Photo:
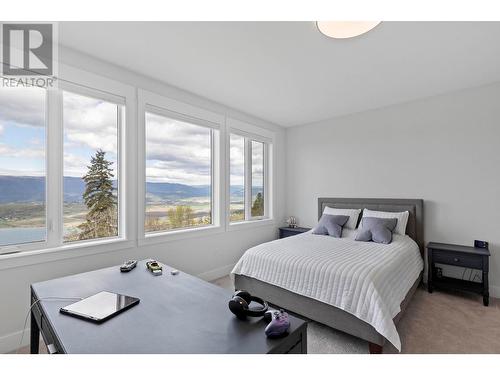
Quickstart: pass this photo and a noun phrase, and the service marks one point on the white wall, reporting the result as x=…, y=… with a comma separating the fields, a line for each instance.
x=208, y=256
x=443, y=149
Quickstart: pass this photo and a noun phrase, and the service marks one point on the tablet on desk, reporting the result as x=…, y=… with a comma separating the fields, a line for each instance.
x=100, y=306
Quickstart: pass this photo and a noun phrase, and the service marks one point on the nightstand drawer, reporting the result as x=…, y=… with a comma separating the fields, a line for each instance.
x=288, y=232
x=457, y=259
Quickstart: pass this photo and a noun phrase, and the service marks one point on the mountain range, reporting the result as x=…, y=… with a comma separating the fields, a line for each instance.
x=18, y=189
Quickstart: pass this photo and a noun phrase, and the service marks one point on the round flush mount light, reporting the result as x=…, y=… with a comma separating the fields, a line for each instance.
x=345, y=29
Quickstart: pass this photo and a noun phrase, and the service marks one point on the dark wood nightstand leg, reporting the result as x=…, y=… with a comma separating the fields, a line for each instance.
x=486, y=300
x=429, y=270
x=486, y=290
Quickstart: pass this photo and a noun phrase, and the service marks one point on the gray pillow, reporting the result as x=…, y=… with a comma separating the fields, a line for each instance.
x=331, y=225
x=377, y=229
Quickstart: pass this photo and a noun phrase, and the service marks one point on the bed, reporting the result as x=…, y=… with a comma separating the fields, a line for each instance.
x=356, y=287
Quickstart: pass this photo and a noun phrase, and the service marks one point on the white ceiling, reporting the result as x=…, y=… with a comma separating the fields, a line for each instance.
x=287, y=72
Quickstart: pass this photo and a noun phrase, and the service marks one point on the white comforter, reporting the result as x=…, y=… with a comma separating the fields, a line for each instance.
x=366, y=279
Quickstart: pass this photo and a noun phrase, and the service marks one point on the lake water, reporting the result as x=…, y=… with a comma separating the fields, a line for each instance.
x=9, y=236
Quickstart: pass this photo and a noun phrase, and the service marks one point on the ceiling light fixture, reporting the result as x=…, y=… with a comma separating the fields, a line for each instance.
x=345, y=29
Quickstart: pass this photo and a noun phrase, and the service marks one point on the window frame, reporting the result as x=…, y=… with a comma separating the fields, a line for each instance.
x=121, y=119
x=91, y=85
x=252, y=133
x=170, y=108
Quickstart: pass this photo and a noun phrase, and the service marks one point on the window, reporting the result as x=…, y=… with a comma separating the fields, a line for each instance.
x=91, y=128
x=22, y=165
x=178, y=173
x=248, y=178
x=61, y=164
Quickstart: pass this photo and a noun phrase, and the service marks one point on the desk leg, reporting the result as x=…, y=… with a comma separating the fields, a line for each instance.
x=35, y=335
x=304, y=341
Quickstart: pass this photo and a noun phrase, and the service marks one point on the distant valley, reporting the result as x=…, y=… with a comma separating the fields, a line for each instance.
x=16, y=189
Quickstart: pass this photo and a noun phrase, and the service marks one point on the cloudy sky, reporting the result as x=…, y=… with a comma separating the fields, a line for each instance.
x=22, y=131
x=257, y=164
x=89, y=124
x=176, y=151
x=237, y=167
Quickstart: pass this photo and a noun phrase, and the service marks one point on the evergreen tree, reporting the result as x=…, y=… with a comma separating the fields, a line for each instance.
x=258, y=205
x=101, y=220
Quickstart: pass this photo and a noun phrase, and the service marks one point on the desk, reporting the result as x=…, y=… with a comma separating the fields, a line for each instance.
x=176, y=314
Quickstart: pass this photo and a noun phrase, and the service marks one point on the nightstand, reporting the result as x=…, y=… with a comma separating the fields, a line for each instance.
x=287, y=231
x=460, y=256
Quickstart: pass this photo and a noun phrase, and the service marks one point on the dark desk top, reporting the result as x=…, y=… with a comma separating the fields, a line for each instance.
x=458, y=248
x=176, y=314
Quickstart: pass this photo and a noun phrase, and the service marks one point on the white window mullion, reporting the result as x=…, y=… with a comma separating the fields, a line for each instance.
x=121, y=173
x=54, y=182
x=141, y=169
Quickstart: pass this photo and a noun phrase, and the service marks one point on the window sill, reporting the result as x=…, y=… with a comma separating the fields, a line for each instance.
x=30, y=257
x=242, y=225
x=161, y=237
x=76, y=250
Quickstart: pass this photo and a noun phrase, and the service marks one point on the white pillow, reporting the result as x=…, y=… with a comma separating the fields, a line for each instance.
x=401, y=216
x=353, y=214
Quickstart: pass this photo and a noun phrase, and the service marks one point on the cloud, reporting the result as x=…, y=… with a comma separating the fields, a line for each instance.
x=157, y=173
x=177, y=151
x=75, y=165
x=25, y=153
x=237, y=159
x=257, y=163
x=90, y=122
x=23, y=106
x=19, y=172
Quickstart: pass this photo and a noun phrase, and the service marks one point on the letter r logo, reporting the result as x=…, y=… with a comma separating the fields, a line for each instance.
x=27, y=49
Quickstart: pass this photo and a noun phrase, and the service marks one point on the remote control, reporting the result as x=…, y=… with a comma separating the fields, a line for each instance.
x=279, y=323
x=129, y=265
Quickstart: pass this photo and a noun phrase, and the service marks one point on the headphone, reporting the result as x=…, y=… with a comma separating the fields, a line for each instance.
x=239, y=304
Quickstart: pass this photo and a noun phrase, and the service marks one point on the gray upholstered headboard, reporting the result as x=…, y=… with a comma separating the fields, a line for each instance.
x=415, y=227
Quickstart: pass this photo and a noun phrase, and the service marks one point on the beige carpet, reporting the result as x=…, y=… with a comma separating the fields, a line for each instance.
x=441, y=322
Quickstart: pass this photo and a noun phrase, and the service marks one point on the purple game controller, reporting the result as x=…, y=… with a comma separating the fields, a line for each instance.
x=279, y=323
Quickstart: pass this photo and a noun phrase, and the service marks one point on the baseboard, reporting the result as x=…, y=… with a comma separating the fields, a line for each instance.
x=10, y=342
x=216, y=273
x=495, y=291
